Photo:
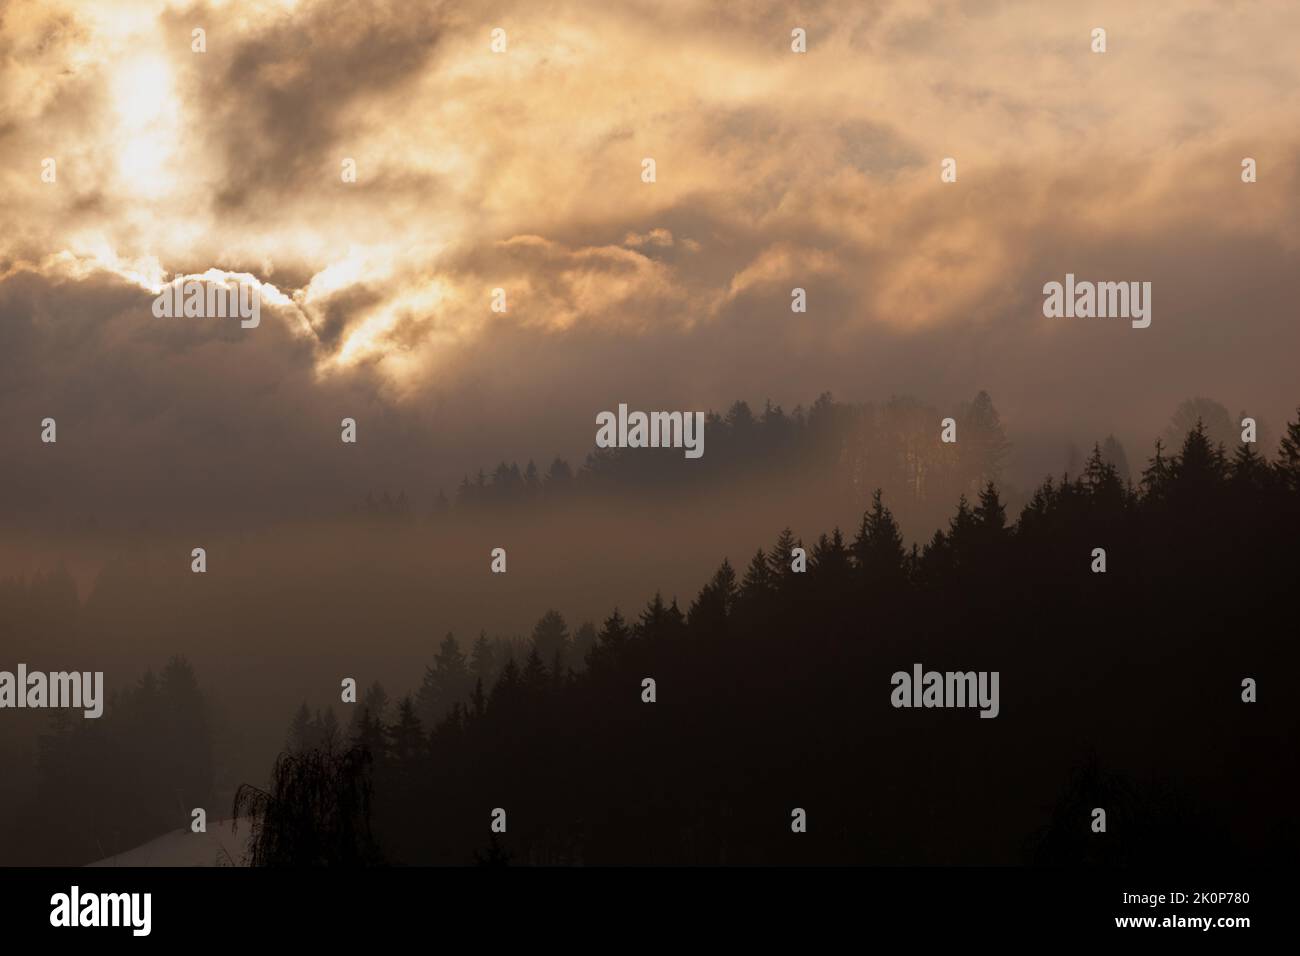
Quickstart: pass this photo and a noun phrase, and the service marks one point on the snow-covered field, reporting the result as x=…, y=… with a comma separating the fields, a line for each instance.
x=220, y=846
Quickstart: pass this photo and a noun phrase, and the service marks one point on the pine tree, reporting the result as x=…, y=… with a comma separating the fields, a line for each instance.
x=962, y=534
x=675, y=620
x=1204, y=414
x=758, y=583
x=1288, y=460
x=655, y=619
x=535, y=673
x=558, y=478
x=611, y=641
x=299, y=731
x=371, y=737
x=1103, y=481
x=1155, y=477
x=1249, y=470
x=709, y=611
x=829, y=561
x=373, y=702
x=482, y=661
x=935, y=564
x=878, y=548
x=445, y=683
x=1199, y=464
x=406, y=735
x=991, y=515
x=984, y=439
x=505, y=691
x=1113, y=453
x=329, y=732
x=779, y=558
x=724, y=582
x=451, y=671
x=584, y=640
x=429, y=703
x=551, y=636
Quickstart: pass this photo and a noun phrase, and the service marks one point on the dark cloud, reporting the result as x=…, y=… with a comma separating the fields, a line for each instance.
x=277, y=98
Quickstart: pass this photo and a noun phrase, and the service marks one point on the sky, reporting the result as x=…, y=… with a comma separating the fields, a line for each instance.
x=522, y=170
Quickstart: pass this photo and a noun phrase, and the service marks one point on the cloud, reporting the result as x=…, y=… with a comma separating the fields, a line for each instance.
x=522, y=170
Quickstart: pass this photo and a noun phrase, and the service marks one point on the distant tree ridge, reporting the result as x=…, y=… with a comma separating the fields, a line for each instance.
x=772, y=693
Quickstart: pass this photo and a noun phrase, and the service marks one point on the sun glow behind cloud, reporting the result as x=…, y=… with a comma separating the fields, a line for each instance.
x=148, y=126
x=521, y=170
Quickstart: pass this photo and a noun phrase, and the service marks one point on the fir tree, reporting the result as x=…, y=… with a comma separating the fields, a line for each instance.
x=482, y=661
x=551, y=636
x=1249, y=470
x=300, y=731
x=535, y=673
x=1103, y=481
x=611, y=641
x=1155, y=477
x=758, y=583
x=991, y=515
x=406, y=735
x=1288, y=460
x=780, y=558
x=584, y=640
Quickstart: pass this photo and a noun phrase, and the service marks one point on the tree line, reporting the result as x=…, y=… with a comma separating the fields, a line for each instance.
x=844, y=449
x=1122, y=689
x=104, y=786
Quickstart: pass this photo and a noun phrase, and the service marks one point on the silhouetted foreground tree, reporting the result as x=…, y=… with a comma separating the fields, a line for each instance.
x=1147, y=821
x=317, y=812
x=774, y=693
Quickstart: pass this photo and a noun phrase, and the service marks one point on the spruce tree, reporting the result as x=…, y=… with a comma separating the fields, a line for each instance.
x=1249, y=470
x=611, y=641
x=878, y=548
x=451, y=671
x=299, y=730
x=1113, y=454
x=654, y=622
x=1156, y=475
x=406, y=735
x=779, y=558
x=373, y=702
x=1103, y=481
x=482, y=661
x=551, y=636
x=479, y=700
x=1288, y=459
x=759, y=582
x=724, y=582
x=991, y=515
x=535, y=673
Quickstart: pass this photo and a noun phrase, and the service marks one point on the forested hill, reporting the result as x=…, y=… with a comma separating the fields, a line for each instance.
x=1123, y=685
